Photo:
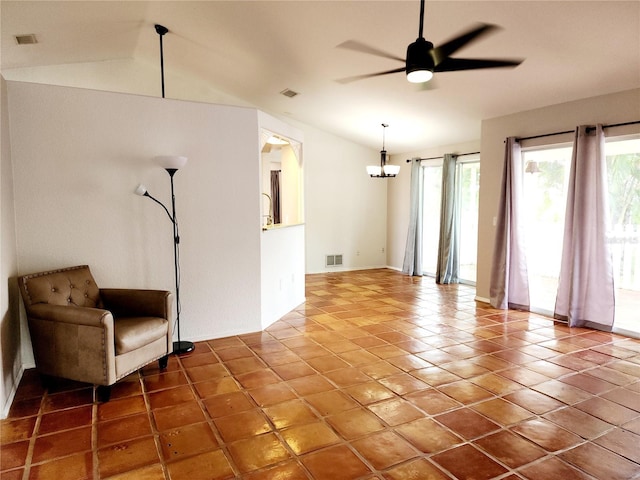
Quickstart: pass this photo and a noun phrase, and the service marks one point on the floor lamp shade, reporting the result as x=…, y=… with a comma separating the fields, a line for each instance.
x=170, y=162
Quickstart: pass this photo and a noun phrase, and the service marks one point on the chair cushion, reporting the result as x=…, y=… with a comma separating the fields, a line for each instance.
x=132, y=333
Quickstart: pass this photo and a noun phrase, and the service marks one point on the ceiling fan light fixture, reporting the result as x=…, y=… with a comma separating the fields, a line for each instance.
x=423, y=60
x=420, y=64
x=419, y=76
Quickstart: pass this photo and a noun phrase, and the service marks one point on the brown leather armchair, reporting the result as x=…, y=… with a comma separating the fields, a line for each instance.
x=94, y=335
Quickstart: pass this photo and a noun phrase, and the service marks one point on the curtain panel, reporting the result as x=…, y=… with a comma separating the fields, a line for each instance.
x=586, y=294
x=275, y=196
x=412, y=264
x=449, y=242
x=509, y=287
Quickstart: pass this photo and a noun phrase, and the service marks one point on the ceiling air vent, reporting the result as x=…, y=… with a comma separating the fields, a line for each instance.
x=29, y=39
x=288, y=93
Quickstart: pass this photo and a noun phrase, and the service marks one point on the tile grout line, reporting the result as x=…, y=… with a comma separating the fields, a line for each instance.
x=208, y=418
x=95, y=467
x=34, y=434
x=153, y=425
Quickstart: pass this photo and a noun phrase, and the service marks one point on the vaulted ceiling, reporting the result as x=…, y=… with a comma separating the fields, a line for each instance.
x=253, y=50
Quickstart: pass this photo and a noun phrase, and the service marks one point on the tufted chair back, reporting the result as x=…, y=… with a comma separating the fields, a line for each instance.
x=73, y=286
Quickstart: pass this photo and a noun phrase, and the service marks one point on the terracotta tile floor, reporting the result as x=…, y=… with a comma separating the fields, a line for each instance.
x=376, y=376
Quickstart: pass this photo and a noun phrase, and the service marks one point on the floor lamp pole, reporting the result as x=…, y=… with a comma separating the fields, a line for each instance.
x=180, y=346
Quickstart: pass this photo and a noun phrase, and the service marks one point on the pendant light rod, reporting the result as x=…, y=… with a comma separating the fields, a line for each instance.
x=161, y=31
x=421, y=19
x=384, y=127
x=383, y=152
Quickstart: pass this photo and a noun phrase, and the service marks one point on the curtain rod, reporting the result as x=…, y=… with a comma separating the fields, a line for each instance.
x=518, y=139
x=442, y=156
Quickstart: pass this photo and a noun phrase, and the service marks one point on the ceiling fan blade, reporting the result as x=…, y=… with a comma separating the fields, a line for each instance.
x=369, y=75
x=455, y=64
x=442, y=52
x=362, y=48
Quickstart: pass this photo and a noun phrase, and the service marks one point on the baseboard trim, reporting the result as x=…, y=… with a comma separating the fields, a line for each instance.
x=12, y=394
x=345, y=269
x=625, y=332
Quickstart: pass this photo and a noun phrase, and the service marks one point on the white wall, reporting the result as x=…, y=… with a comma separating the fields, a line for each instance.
x=282, y=248
x=10, y=332
x=78, y=155
x=399, y=198
x=282, y=260
x=346, y=210
x=607, y=109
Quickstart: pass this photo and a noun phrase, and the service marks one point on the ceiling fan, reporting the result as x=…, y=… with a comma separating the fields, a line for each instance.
x=423, y=59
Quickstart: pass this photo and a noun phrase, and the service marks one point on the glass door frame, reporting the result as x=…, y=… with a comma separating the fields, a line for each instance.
x=424, y=164
x=435, y=163
x=461, y=160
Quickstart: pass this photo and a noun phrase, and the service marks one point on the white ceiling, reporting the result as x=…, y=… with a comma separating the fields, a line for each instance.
x=255, y=49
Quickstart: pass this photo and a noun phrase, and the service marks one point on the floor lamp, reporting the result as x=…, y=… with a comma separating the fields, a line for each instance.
x=172, y=164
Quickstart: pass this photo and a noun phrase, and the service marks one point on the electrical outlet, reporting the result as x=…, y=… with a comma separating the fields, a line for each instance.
x=382, y=249
x=358, y=253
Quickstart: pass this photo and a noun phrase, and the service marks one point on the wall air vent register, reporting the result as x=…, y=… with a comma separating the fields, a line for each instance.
x=333, y=260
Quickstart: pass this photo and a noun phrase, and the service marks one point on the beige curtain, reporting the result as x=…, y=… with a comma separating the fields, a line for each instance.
x=412, y=264
x=449, y=242
x=586, y=295
x=275, y=196
x=509, y=286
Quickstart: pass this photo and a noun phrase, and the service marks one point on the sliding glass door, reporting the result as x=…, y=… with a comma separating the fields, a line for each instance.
x=468, y=182
x=544, y=202
x=432, y=171
x=623, y=173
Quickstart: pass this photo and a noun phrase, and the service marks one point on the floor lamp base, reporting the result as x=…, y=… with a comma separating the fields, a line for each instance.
x=183, y=347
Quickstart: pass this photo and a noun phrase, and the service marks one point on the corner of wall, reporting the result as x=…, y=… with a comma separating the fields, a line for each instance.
x=11, y=359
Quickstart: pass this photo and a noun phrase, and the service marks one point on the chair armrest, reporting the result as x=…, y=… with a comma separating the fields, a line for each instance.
x=136, y=302
x=93, y=317
x=73, y=342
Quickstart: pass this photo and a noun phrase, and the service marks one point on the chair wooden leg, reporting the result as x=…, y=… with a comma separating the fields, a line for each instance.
x=47, y=382
x=103, y=393
x=163, y=362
